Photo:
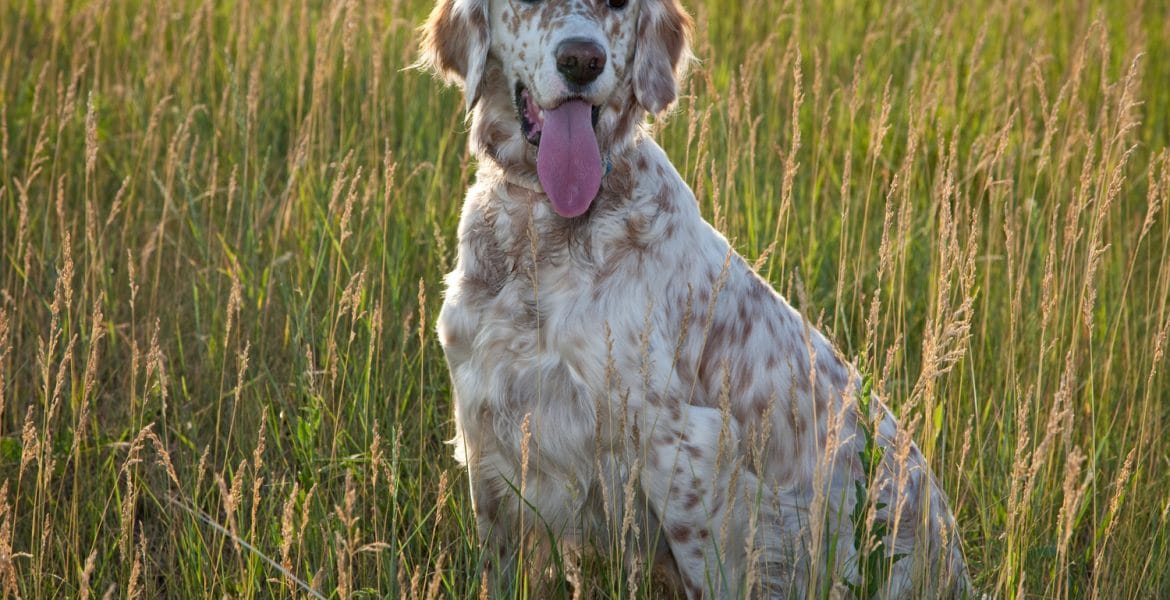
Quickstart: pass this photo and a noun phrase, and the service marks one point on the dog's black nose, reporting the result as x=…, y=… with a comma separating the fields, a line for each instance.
x=580, y=60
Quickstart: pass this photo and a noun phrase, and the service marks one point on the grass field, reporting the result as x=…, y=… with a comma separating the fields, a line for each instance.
x=223, y=227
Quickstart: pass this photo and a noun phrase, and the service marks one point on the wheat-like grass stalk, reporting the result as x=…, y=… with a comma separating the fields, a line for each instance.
x=207, y=520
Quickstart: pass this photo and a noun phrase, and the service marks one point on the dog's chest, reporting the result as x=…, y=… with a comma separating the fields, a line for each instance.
x=524, y=283
x=516, y=301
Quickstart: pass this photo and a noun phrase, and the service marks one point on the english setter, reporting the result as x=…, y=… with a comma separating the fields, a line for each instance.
x=622, y=378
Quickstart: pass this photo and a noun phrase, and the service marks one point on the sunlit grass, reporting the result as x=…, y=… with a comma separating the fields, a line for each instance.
x=223, y=227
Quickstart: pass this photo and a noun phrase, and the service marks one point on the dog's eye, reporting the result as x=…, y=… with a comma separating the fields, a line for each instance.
x=617, y=3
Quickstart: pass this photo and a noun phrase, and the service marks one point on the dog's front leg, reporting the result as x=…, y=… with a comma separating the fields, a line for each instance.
x=528, y=477
x=688, y=481
x=495, y=502
x=477, y=452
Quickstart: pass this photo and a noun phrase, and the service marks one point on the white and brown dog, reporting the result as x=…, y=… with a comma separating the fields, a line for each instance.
x=623, y=379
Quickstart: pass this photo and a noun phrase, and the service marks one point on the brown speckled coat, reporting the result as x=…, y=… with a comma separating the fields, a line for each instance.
x=626, y=371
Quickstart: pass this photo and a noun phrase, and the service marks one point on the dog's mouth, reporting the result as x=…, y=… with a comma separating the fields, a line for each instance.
x=568, y=159
x=532, y=115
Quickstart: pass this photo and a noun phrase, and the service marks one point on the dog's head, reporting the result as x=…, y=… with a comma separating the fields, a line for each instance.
x=559, y=84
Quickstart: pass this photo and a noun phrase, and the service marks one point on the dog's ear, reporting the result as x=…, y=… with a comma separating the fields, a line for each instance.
x=661, y=53
x=455, y=42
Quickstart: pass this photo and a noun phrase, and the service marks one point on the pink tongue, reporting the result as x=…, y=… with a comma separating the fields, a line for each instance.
x=568, y=161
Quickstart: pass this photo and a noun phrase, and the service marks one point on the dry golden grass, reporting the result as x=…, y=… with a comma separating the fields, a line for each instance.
x=224, y=224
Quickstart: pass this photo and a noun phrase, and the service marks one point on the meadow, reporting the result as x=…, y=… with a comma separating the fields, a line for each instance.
x=224, y=225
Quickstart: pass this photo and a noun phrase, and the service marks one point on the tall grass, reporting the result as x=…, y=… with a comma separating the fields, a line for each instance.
x=225, y=224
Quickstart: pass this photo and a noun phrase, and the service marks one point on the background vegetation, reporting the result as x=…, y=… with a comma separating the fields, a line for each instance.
x=224, y=226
